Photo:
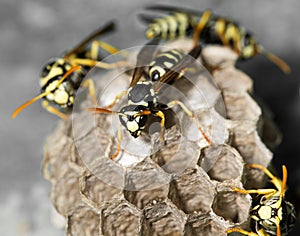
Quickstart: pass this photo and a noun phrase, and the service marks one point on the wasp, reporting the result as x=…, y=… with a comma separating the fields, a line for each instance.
x=61, y=77
x=143, y=94
x=273, y=215
x=209, y=29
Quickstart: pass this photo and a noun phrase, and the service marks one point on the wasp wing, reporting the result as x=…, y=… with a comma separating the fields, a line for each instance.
x=144, y=58
x=172, y=74
x=170, y=9
x=147, y=19
x=106, y=28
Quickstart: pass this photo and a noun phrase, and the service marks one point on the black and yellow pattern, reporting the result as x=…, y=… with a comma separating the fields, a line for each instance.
x=272, y=215
x=142, y=94
x=163, y=62
x=207, y=28
x=61, y=77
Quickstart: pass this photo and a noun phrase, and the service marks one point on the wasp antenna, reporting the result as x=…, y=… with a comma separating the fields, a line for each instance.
x=26, y=104
x=277, y=61
x=74, y=68
x=101, y=110
x=196, y=51
x=284, y=179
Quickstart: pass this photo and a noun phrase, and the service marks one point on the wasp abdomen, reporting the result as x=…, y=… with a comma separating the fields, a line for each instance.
x=163, y=62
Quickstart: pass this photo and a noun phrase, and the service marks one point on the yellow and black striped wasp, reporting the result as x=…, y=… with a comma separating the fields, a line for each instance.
x=61, y=77
x=207, y=28
x=272, y=215
x=143, y=93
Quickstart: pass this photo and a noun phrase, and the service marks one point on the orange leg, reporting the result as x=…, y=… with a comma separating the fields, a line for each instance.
x=190, y=114
x=119, y=144
x=200, y=26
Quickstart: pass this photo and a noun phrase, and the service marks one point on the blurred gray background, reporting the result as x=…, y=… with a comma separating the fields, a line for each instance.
x=32, y=31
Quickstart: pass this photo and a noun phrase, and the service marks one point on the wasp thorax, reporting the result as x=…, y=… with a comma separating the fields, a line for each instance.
x=141, y=94
x=132, y=119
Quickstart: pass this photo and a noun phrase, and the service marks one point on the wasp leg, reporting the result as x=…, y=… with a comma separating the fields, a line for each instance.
x=190, y=114
x=220, y=29
x=119, y=143
x=200, y=25
x=53, y=110
x=117, y=98
x=100, y=64
x=162, y=125
x=94, y=51
x=89, y=83
x=162, y=121
x=277, y=182
x=242, y=232
x=267, y=192
x=231, y=38
x=237, y=41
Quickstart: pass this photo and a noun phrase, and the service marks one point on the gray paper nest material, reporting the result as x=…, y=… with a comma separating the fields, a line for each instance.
x=182, y=188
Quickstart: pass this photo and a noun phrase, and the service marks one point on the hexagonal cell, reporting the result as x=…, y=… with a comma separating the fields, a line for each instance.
x=218, y=56
x=83, y=221
x=231, y=205
x=56, y=151
x=205, y=224
x=248, y=143
x=65, y=194
x=142, y=198
x=222, y=162
x=233, y=79
x=96, y=191
x=177, y=154
x=192, y=191
x=145, y=175
x=240, y=106
x=120, y=218
x=162, y=218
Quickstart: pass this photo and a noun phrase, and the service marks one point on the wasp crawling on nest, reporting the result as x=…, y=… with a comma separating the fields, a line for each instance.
x=207, y=28
x=272, y=215
x=61, y=77
x=146, y=86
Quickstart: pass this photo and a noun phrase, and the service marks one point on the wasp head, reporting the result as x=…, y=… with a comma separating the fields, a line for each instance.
x=131, y=118
x=59, y=92
x=250, y=47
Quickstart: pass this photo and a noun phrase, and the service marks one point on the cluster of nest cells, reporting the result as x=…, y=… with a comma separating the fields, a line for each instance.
x=159, y=195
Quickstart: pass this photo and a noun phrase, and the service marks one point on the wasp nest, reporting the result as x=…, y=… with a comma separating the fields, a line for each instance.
x=183, y=187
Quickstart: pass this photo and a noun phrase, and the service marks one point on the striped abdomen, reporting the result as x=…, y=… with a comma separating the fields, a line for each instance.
x=163, y=62
x=177, y=25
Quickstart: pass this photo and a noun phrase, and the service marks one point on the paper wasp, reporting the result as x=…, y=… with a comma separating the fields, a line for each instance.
x=273, y=215
x=143, y=94
x=61, y=77
x=207, y=28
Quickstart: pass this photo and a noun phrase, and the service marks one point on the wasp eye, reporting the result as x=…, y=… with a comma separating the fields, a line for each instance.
x=247, y=39
x=45, y=71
